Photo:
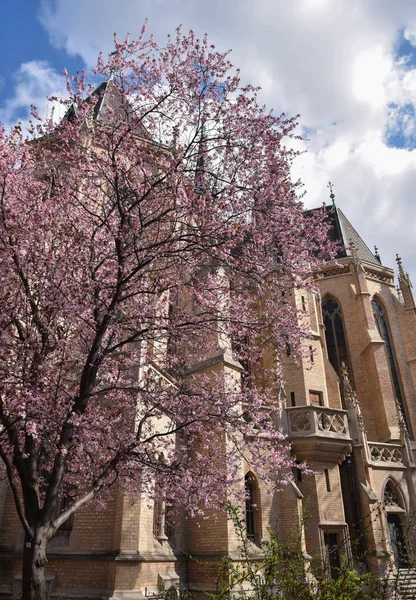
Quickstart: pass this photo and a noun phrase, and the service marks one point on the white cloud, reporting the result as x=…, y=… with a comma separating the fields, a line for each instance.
x=35, y=81
x=371, y=71
x=332, y=61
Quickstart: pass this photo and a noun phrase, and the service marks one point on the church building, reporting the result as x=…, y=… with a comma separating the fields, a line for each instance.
x=349, y=411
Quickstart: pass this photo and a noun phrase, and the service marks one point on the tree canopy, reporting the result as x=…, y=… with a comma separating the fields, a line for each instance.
x=155, y=229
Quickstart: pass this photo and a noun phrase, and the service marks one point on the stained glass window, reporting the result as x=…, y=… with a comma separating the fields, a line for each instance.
x=336, y=342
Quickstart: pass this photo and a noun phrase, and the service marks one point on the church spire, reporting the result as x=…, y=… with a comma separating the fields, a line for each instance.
x=405, y=285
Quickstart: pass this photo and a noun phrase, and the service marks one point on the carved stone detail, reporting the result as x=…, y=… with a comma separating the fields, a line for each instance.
x=300, y=421
x=331, y=422
x=385, y=453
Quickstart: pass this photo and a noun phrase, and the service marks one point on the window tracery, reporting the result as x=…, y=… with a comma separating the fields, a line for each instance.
x=335, y=337
x=391, y=495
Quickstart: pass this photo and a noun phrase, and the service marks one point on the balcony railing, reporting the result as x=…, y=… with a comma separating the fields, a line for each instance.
x=304, y=421
x=385, y=453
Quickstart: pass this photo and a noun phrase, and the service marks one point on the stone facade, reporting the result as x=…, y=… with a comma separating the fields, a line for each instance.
x=350, y=413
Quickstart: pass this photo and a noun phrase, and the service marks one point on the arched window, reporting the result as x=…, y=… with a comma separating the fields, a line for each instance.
x=392, y=496
x=252, y=507
x=336, y=341
x=395, y=513
x=382, y=324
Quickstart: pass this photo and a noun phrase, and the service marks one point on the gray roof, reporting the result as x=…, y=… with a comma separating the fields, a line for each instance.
x=350, y=237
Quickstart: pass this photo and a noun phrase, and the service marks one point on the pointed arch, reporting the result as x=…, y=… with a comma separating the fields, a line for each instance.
x=335, y=336
x=393, y=495
x=382, y=324
x=397, y=522
x=252, y=508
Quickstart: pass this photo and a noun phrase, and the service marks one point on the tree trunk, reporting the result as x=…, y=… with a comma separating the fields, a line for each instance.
x=34, y=561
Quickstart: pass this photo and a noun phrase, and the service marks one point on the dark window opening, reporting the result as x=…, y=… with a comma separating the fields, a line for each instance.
x=332, y=554
x=251, y=506
x=397, y=541
x=288, y=350
x=336, y=342
x=327, y=480
x=303, y=303
x=292, y=399
x=170, y=521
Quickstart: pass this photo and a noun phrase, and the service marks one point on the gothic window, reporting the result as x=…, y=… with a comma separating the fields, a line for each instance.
x=252, y=507
x=394, y=506
x=391, y=495
x=382, y=324
x=336, y=341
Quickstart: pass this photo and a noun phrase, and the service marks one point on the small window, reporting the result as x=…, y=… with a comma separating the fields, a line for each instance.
x=311, y=354
x=303, y=303
x=316, y=398
x=292, y=399
x=170, y=521
x=328, y=482
x=288, y=350
x=252, y=507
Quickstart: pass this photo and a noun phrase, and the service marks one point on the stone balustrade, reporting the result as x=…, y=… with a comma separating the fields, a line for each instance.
x=318, y=432
x=317, y=420
x=385, y=453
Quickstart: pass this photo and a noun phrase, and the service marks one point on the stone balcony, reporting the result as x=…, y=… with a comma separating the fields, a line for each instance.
x=318, y=432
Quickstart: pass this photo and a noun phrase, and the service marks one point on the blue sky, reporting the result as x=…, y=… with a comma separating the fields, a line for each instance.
x=348, y=66
x=24, y=39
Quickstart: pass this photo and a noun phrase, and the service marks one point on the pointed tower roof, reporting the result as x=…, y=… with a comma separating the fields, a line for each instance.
x=342, y=231
x=103, y=95
x=350, y=237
